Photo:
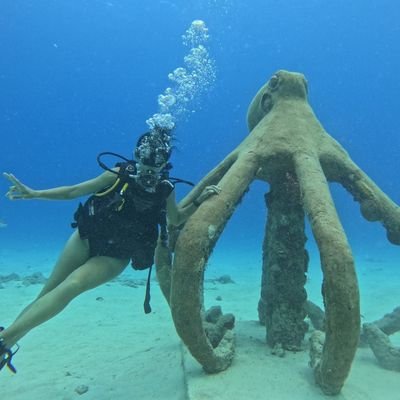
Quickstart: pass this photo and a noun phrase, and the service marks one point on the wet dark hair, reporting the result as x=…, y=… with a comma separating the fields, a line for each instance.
x=153, y=148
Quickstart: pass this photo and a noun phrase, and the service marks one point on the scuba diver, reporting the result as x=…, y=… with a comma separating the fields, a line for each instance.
x=120, y=222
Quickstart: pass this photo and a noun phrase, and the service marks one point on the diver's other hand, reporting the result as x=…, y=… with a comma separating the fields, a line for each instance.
x=18, y=190
x=207, y=192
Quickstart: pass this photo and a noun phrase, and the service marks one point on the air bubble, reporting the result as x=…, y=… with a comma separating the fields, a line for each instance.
x=188, y=82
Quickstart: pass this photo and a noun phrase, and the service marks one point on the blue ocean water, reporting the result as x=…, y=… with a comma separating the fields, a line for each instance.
x=82, y=77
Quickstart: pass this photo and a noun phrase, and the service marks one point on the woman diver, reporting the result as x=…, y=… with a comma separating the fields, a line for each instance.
x=117, y=224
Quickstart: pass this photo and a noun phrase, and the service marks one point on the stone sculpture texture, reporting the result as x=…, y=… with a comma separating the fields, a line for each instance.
x=286, y=145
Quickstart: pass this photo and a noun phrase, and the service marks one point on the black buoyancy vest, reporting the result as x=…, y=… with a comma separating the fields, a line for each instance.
x=130, y=199
x=125, y=203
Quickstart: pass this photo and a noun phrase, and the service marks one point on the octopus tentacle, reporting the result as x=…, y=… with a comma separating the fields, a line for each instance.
x=375, y=204
x=193, y=248
x=340, y=288
x=284, y=135
x=163, y=253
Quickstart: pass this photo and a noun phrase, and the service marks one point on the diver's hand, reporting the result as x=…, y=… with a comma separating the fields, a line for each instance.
x=207, y=192
x=18, y=190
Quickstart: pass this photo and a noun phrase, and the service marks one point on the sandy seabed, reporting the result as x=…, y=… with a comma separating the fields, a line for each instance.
x=103, y=347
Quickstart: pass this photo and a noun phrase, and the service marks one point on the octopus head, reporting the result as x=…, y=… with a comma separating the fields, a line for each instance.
x=282, y=85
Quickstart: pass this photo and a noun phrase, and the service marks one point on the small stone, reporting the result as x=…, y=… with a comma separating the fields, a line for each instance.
x=99, y=298
x=81, y=389
x=278, y=350
x=218, y=298
x=227, y=321
x=213, y=314
x=36, y=278
x=9, y=277
x=225, y=279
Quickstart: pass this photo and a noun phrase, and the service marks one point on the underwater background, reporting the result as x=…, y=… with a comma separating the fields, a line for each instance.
x=81, y=77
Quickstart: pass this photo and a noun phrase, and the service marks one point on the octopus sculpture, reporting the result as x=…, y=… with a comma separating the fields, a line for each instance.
x=288, y=148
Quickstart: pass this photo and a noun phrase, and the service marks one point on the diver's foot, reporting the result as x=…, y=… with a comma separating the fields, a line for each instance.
x=6, y=355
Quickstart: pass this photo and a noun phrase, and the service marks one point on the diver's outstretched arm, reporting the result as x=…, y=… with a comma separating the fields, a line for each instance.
x=19, y=190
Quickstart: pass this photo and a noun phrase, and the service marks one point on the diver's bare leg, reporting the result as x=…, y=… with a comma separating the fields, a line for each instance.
x=94, y=272
x=74, y=254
